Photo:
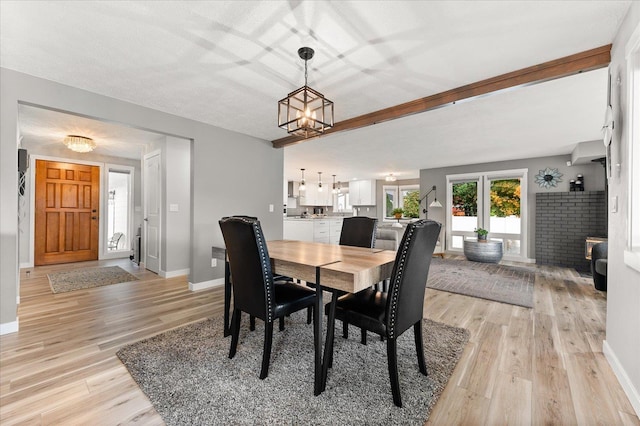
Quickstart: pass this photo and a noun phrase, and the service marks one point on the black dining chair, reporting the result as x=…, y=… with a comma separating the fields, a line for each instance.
x=358, y=231
x=391, y=314
x=254, y=289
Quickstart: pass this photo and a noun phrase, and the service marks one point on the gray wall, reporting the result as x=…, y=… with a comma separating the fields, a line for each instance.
x=593, y=175
x=622, y=345
x=218, y=157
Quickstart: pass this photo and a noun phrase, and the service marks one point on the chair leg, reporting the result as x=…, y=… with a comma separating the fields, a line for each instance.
x=309, y=312
x=266, y=352
x=345, y=329
x=235, y=331
x=392, y=358
x=363, y=336
x=281, y=325
x=417, y=332
x=252, y=322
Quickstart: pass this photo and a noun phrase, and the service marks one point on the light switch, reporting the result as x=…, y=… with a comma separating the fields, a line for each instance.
x=271, y=208
x=613, y=205
x=174, y=208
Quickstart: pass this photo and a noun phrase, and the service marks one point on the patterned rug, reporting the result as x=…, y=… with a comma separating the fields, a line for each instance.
x=501, y=283
x=62, y=282
x=187, y=375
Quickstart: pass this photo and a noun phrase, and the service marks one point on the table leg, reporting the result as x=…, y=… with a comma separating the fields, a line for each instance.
x=317, y=337
x=227, y=297
x=327, y=360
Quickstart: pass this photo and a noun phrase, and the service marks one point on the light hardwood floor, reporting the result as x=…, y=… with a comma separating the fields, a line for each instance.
x=522, y=366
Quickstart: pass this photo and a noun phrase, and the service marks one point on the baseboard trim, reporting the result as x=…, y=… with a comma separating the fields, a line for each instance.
x=628, y=388
x=9, y=327
x=177, y=273
x=24, y=265
x=206, y=284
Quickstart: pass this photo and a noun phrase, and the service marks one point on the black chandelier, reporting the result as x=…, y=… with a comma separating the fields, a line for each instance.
x=305, y=112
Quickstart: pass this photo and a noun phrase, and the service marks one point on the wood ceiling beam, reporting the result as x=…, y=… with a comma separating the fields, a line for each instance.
x=558, y=68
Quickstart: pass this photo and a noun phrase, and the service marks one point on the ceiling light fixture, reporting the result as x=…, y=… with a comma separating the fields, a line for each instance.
x=319, y=181
x=335, y=188
x=79, y=143
x=302, y=186
x=305, y=112
x=390, y=178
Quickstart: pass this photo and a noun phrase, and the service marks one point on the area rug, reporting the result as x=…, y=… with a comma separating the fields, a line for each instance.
x=501, y=283
x=62, y=282
x=187, y=375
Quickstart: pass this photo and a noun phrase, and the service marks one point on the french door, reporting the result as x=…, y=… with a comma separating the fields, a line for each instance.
x=495, y=201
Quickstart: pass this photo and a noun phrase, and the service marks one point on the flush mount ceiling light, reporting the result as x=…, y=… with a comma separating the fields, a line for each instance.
x=305, y=112
x=319, y=181
x=302, y=186
x=79, y=143
x=390, y=178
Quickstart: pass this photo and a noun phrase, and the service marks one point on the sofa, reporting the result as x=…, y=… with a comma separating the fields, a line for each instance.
x=599, y=265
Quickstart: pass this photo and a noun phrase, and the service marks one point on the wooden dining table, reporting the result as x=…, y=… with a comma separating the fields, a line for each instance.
x=332, y=268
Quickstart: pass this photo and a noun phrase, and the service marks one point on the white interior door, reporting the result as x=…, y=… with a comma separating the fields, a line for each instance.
x=152, y=211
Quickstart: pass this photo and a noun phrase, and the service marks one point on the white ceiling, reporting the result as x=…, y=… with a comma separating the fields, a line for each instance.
x=227, y=63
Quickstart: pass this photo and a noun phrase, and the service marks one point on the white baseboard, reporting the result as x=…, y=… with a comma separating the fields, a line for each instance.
x=177, y=273
x=206, y=284
x=26, y=265
x=628, y=387
x=9, y=327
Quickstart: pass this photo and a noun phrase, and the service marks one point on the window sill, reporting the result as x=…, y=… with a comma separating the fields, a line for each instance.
x=632, y=259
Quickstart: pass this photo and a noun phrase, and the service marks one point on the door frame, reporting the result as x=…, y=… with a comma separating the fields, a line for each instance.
x=483, y=178
x=103, y=253
x=32, y=201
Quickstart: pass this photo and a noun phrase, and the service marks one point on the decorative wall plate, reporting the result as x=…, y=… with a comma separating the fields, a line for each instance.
x=548, y=178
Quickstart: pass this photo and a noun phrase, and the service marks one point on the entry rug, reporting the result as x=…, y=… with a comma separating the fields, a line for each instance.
x=187, y=375
x=501, y=283
x=78, y=279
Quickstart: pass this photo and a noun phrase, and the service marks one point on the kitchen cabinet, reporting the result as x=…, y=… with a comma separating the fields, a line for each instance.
x=315, y=230
x=362, y=192
x=311, y=197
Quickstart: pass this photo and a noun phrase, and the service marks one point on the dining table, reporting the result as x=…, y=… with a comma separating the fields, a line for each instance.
x=331, y=268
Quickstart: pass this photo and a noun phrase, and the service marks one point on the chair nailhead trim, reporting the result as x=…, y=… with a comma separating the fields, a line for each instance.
x=398, y=278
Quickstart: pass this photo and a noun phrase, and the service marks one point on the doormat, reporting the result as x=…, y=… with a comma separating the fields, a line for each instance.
x=62, y=282
x=190, y=380
x=491, y=281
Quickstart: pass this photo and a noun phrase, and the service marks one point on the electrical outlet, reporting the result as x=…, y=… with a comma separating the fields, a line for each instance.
x=614, y=204
x=214, y=262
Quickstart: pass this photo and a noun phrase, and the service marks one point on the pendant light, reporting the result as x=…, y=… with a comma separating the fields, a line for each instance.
x=302, y=186
x=305, y=112
x=319, y=181
x=334, y=188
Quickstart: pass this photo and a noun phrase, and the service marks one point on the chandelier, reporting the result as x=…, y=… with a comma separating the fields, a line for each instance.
x=305, y=112
x=79, y=143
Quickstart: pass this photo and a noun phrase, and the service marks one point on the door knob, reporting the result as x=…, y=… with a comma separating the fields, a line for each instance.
x=146, y=219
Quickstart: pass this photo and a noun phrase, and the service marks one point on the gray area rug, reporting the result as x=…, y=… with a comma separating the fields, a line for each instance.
x=187, y=375
x=501, y=283
x=62, y=282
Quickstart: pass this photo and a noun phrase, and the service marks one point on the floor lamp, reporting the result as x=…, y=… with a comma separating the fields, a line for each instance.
x=434, y=203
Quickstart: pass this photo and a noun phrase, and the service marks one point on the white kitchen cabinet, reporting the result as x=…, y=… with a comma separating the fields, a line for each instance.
x=311, y=197
x=316, y=230
x=362, y=192
x=335, y=228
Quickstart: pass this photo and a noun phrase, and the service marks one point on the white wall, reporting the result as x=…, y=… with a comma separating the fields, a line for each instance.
x=622, y=344
x=231, y=173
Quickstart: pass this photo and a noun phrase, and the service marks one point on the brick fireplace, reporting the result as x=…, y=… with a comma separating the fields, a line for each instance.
x=564, y=220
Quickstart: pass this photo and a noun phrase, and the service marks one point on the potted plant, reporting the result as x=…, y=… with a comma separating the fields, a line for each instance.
x=482, y=234
x=397, y=212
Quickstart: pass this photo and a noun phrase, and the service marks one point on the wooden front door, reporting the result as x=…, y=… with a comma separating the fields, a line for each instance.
x=67, y=204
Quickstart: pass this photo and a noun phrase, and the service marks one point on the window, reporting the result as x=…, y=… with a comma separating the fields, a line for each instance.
x=406, y=197
x=632, y=252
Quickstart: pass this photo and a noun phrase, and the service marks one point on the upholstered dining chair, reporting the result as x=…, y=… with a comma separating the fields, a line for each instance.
x=391, y=314
x=254, y=289
x=357, y=231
